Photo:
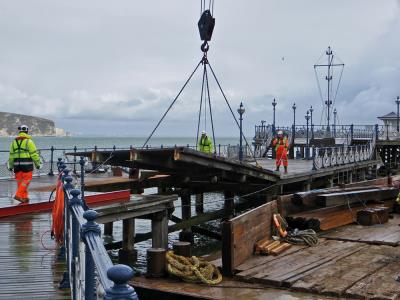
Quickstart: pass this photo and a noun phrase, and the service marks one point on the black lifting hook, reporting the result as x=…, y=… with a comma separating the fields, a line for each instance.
x=204, y=47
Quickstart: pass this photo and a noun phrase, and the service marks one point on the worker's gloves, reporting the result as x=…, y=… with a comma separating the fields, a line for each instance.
x=9, y=167
x=39, y=167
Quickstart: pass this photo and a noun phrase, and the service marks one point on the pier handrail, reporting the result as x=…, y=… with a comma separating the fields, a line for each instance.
x=90, y=271
x=324, y=157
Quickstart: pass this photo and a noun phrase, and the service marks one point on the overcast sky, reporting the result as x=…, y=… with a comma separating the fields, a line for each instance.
x=113, y=67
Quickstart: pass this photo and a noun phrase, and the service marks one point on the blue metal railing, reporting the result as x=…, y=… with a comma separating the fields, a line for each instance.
x=90, y=272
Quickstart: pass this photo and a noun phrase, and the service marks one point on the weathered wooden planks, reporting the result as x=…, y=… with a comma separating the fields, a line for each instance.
x=361, y=196
x=240, y=234
x=330, y=217
x=335, y=279
x=388, y=234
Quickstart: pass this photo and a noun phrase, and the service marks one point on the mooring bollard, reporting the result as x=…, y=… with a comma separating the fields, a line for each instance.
x=156, y=262
x=182, y=248
x=90, y=228
x=120, y=275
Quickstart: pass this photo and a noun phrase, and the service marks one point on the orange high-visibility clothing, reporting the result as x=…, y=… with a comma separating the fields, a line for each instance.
x=23, y=180
x=281, y=147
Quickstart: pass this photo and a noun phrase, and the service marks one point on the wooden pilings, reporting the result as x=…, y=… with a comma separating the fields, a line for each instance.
x=159, y=229
x=128, y=254
x=199, y=203
x=186, y=235
x=108, y=228
x=229, y=205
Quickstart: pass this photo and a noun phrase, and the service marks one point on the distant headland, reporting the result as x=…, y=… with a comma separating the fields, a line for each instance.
x=9, y=123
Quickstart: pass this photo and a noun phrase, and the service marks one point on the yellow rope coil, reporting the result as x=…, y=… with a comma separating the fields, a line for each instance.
x=192, y=269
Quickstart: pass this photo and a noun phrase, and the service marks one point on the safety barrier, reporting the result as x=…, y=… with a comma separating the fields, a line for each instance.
x=90, y=272
x=341, y=155
x=49, y=162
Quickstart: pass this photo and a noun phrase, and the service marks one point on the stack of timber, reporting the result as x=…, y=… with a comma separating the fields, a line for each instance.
x=341, y=208
x=270, y=247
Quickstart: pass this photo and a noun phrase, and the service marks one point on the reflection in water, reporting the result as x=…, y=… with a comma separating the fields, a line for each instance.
x=21, y=242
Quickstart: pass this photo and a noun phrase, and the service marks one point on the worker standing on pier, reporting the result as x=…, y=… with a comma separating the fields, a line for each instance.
x=23, y=157
x=281, y=145
x=205, y=144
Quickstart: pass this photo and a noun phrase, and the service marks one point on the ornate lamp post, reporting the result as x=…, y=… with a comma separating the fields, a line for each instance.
x=273, y=119
x=241, y=111
x=334, y=122
x=398, y=117
x=311, y=122
x=307, y=141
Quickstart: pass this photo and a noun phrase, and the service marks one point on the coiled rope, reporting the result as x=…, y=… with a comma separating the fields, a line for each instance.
x=193, y=269
x=308, y=237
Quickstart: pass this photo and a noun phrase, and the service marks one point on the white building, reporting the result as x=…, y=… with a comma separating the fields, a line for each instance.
x=390, y=125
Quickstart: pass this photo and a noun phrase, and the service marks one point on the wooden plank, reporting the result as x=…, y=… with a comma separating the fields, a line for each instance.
x=387, y=234
x=241, y=233
x=335, y=279
x=290, y=266
x=379, y=285
x=342, y=198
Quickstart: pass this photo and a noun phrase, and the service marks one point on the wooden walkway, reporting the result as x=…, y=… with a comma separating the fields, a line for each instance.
x=28, y=270
x=353, y=261
x=28, y=261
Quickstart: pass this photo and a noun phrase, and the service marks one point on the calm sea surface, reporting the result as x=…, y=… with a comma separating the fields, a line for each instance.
x=213, y=201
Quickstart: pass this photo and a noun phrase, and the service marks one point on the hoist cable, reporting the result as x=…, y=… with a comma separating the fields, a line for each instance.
x=319, y=86
x=209, y=106
x=230, y=108
x=172, y=104
x=338, y=85
x=201, y=103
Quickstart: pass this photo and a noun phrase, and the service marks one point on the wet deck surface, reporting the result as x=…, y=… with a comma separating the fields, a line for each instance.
x=28, y=262
x=29, y=270
x=354, y=261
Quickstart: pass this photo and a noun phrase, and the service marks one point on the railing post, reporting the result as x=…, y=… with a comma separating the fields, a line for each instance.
x=51, y=173
x=351, y=133
x=387, y=131
x=74, y=237
x=82, y=164
x=120, y=275
x=376, y=132
x=90, y=227
x=314, y=168
x=75, y=149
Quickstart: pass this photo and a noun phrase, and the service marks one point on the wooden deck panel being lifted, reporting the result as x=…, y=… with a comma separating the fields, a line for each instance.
x=185, y=162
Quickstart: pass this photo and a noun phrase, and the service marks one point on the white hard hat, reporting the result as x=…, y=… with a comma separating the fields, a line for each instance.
x=24, y=128
x=280, y=132
x=203, y=132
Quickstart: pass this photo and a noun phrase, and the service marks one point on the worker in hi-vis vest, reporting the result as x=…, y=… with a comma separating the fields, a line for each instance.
x=281, y=145
x=23, y=157
x=205, y=144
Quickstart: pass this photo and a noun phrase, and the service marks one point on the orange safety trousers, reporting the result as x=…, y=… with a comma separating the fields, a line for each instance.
x=23, y=180
x=281, y=156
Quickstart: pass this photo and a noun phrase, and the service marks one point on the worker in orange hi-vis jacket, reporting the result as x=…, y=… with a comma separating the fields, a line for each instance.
x=281, y=145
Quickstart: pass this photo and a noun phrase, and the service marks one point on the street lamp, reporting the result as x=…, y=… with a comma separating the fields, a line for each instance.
x=273, y=120
x=241, y=111
x=307, y=141
x=334, y=122
x=398, y=117
x=311, y=122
